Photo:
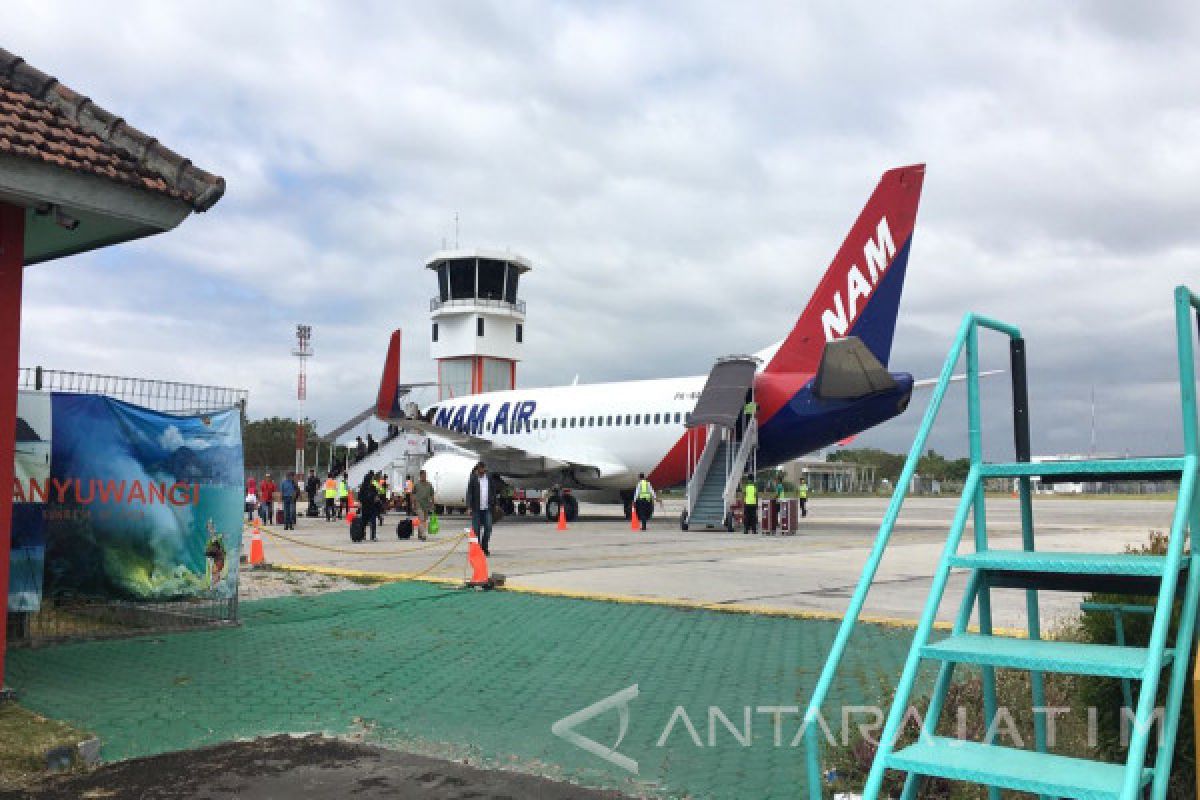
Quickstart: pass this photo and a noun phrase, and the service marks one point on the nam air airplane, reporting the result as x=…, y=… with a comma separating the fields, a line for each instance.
x=594, y=439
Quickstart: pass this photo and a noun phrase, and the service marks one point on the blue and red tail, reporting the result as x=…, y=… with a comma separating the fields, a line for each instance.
x=859, y=294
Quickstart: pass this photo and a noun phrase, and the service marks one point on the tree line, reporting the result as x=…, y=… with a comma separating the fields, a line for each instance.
x=887, y=465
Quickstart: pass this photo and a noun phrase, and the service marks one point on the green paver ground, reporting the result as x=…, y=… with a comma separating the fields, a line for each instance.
x=472, y=674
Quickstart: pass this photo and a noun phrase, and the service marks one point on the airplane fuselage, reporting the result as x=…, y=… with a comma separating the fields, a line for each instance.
x=632, y=427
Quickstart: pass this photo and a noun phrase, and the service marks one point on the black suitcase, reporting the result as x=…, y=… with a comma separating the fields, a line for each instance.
x=312, y=511
x=358, y=530
x=404, y=529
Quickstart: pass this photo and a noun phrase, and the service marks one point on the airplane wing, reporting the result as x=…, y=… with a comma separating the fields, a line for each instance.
x=506, y=459
x=849, y=370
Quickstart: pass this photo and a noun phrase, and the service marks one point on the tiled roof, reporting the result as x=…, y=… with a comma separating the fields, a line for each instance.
x=43, y=120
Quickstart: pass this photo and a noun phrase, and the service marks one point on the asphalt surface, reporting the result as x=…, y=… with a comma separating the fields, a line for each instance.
x=293, y=768
x=814, y=571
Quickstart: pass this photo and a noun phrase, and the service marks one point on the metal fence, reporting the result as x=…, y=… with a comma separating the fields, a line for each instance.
x=66, y=615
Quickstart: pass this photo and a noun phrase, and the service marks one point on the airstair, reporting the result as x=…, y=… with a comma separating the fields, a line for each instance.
x=722, y=443
x=1166, y=577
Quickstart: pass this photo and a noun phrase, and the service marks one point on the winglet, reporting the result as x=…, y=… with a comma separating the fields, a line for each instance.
x=387, y=402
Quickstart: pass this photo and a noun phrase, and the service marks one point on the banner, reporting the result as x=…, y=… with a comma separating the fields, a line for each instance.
x=114, y=500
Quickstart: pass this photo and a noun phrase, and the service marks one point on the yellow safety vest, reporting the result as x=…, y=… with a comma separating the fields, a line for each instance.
x=643, y=490
x=342, y=491
x=751, y=409
x=751, y=494
x=330, y=488
x=803, y=492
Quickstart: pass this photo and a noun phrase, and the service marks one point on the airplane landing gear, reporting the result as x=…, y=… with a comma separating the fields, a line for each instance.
x=569, y=503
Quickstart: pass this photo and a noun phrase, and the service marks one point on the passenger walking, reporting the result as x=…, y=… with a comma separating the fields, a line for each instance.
x=368, y=498
x=644, y=497
x=289, y=492
x=802, y=493
x=331, y=487
x=310, y=488
x=360, y=449
x=750, y=507
x=343, y=496
x=251, y=498
x=266, y=500
x=422, y=496
x=408, y=494
x=481, y=497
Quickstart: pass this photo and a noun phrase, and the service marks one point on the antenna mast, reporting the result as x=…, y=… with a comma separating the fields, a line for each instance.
x=302, y=351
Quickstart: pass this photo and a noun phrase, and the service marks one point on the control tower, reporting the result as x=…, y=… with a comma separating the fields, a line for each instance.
x=478, y=326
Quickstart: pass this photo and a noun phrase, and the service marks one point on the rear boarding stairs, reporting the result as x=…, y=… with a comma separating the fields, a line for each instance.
x=1168, y=576
x=722, y=444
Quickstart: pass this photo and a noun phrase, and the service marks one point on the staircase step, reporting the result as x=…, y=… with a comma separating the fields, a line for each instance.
x=1042, y=655
x=1069, y=572
x=1074, y=563
x=1097, y=470
x=1010, y=768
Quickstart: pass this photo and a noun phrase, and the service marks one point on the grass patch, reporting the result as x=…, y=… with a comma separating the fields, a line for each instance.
x=24, y=739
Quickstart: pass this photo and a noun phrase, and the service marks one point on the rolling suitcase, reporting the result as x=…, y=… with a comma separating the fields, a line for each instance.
x=358, y=530
x=404, y=529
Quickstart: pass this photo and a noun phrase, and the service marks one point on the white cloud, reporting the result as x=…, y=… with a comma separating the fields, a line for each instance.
x=680, y=174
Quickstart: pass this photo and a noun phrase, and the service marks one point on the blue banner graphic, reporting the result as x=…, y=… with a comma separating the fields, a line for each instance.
x=114, y=500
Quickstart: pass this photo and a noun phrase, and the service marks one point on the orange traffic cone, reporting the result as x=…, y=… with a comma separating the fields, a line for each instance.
x=562, y=516
x=635, y=524
x=350, y=515
x=256, y=546
x=478, y=562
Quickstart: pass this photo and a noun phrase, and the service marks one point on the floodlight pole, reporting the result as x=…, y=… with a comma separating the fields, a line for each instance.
x=302, y=351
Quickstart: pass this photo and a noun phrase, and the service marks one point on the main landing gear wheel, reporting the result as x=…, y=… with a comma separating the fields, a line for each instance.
x=569, y=503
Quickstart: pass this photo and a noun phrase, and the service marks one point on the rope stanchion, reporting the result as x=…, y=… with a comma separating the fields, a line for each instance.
x=360, y=551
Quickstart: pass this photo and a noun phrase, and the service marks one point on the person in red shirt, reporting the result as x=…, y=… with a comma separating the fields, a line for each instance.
x=266, y=499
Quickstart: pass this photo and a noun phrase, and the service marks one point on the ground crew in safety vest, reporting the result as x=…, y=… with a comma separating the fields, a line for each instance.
x=750, y=507
x=330, y=497
x=802, y=493
x=643, y=499
x=343, y=497
x=382, y=495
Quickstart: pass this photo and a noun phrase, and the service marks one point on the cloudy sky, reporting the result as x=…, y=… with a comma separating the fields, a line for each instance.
x=679, y=173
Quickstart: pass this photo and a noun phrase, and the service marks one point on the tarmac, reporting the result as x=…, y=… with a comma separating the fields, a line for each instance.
x=712, y=699
x=813, y=572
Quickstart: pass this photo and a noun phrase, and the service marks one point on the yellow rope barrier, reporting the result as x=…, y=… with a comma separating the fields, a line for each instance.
x=356, y=552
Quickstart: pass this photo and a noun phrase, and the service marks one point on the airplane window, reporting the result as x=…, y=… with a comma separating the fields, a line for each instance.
x=591, y=422
x=677, y=418
x=637, y=419
x=626, y=419
x=658, y=419
x=572, y=422
x=618, y=419
x=609, y=420
x=554, y=423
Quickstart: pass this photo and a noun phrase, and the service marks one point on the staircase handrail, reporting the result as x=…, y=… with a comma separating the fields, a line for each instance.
x=749, y=442
x=712, y=443
x=966, y=330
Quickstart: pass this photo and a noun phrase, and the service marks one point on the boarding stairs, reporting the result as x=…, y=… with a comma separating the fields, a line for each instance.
x=722, y=444
x=1164, y=577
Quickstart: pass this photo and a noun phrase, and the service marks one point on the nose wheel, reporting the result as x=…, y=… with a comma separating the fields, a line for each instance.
x=566, y=501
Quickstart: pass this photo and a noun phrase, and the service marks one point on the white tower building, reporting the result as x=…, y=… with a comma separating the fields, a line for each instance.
x=478, y=329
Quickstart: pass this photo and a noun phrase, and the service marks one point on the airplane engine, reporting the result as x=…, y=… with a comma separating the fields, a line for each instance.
x=449, y=473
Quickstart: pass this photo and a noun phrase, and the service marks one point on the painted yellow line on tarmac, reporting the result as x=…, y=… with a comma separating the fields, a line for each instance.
x=728, y=608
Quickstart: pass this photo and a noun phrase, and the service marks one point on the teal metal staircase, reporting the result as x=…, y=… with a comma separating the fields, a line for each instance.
x=1166, y=577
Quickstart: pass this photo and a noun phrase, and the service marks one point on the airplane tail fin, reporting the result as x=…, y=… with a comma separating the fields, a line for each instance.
x=387, y=402
x=860, y=293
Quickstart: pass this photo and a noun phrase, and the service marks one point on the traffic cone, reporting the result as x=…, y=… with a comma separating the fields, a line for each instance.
x=477, y=561
x=350, y=515
x=256, y=546
x=635, y=524
x=562, y=516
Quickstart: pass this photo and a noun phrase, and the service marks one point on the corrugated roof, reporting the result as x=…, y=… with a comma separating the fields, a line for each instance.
x=43, y=120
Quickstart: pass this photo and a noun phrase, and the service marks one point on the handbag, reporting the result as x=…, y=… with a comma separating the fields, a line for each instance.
x=434, y=525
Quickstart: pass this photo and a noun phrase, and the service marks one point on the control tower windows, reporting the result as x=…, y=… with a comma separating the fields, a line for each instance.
x=443, y=273
x=510, y=285
x=462, y=278
x=497, y=375
x=491, y=279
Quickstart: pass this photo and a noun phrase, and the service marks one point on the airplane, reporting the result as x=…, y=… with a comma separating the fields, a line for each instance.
x=823, y=384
